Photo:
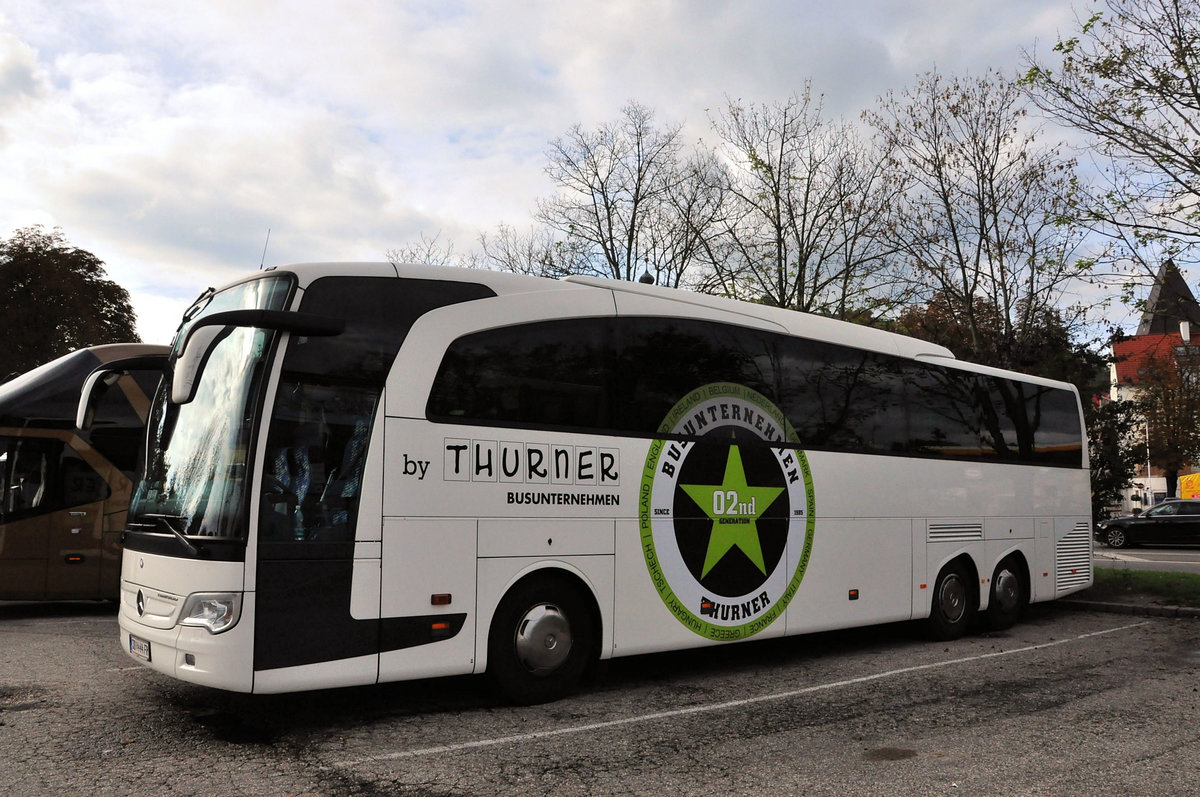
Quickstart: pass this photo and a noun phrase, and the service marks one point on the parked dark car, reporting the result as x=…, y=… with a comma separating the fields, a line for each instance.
x=1173, y=522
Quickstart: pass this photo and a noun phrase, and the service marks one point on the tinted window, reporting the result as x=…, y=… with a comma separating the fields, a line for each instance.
x=1057, y=433
x=842, y=398
x=624, y=375
x=317, y=449
x=944, y=416
x=659, y=361
x=621, y=374
x=328, y=391
x=379, y=312
x=552, y=374
x=39, y=475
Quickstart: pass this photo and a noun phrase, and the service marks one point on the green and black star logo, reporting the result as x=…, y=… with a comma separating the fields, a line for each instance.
x=727, y=530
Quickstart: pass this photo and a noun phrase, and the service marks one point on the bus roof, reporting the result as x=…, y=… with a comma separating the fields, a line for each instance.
x=49, y=394
x=506, y=283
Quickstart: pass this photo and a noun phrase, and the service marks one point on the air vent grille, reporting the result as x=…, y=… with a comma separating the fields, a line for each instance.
x=955, y=532
x=1073, y=559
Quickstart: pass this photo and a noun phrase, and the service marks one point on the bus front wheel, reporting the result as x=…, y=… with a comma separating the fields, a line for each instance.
x=953, y=606
x=541, y=641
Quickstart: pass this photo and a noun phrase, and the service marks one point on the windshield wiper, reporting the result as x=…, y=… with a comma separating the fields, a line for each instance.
x=164, y=520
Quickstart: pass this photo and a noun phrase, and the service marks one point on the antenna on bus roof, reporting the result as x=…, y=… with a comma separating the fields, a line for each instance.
x=264, y=255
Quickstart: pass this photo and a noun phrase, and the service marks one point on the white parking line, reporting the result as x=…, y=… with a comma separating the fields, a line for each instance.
x=729, y=704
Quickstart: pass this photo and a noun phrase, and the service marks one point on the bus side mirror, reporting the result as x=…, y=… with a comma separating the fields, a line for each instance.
x=198, y=346
x=104, y=377
x=204, y=335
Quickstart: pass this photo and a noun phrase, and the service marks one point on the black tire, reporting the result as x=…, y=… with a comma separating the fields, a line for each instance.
x=1009, y=595
x=954, y=603
x=542, y=641
x=1115, y=537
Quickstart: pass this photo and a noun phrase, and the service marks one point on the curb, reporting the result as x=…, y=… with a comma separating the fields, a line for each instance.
x=1141, y=610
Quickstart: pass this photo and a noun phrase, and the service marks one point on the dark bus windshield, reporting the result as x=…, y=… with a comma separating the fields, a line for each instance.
x=195, y=476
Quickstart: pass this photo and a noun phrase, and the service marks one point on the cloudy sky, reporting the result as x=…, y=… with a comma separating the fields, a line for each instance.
x=168, y=138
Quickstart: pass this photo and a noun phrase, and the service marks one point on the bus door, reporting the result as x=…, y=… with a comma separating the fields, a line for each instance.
x=50, y=520
x=320, y=546
x=23, y=522
x=317, y=586
x=76, y=529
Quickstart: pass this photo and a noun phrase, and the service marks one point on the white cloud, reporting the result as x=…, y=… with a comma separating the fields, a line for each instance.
x=167, y=138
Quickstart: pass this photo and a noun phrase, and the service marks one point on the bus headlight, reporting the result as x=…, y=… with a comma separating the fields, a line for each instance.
x=216, y=611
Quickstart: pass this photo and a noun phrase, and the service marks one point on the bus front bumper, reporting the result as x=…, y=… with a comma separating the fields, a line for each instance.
x=222, y=661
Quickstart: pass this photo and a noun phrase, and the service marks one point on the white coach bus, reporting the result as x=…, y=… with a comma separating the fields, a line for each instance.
x=360, y=473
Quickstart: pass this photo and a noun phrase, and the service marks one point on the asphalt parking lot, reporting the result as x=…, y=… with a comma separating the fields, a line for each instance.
x=1067, y=702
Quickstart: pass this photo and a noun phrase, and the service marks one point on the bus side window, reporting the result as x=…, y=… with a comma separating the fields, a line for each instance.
x=39, y=475
x=316, y=450
x=550, y=373
x=27, y=476
x=662, y=360
x=80, y=483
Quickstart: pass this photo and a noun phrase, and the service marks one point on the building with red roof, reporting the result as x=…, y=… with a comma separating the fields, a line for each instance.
x=1132, y=356
x=1171, y=315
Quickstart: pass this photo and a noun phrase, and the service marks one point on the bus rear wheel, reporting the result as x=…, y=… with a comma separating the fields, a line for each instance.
x=953, y=607
x=542, y=640
x=1008, y=597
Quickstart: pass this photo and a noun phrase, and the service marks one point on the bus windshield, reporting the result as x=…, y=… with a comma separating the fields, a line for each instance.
x=195, y=477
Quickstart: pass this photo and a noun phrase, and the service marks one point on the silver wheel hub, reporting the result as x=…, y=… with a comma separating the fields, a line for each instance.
x=543, y=639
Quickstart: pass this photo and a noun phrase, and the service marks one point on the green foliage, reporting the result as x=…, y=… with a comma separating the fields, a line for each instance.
x=1036, y=342
x=1164, y=588
x=1043, y=345
x=54, y=299
x=1128, y=79
x=1170, y=394
x=1116, y=447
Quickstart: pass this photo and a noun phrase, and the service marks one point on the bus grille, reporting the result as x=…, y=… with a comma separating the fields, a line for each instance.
x=1073, y=559
x=955, y=532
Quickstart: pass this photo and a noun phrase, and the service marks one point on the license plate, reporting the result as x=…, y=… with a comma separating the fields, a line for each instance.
x=139, y=647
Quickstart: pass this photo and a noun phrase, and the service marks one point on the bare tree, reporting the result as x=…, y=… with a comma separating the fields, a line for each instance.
x=984, y=215
x=1130, y=80
x=536, y=252
x=680, y=245
x=805, y=211
x=613, y=188
x=429, y=251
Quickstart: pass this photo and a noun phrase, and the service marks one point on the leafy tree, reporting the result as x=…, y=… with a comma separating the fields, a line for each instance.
x=1042, y=346
x=1116, y=448
x=54, y=299
x=1130, y=80
x=1169, y=390
x=983, y=216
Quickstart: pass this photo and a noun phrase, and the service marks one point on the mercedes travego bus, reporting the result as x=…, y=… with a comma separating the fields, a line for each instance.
x=64, y=492
x=360, y=473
